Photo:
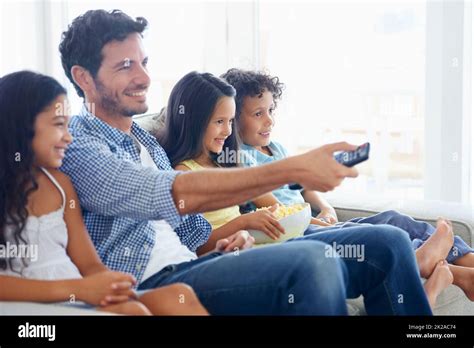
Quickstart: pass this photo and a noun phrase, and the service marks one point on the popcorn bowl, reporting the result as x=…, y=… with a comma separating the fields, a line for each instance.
x=294, y=219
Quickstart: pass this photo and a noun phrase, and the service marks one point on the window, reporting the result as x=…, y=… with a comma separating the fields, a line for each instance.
x=357, y=74
x=387, y=72
x=397, y=74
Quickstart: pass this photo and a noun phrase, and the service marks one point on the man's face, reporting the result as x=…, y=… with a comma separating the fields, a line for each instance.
x=122, y=81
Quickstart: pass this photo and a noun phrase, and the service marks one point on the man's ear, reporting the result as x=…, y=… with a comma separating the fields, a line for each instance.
x=82, y=78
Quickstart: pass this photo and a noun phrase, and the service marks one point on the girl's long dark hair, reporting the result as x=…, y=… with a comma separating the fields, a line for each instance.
x=190, y=107
x=23, y=95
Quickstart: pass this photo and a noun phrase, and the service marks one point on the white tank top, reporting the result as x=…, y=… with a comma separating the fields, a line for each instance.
x=45, y=249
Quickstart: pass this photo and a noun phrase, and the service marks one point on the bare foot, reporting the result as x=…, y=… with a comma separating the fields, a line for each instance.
x=436, y=248
x=464, y=278
x=439, y=280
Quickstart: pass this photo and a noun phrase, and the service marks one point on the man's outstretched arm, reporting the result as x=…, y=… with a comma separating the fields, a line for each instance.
x=207, y=190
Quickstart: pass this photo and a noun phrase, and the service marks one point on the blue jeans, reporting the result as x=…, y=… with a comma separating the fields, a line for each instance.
x=381, y=266
x=289, y=279
x=306, y=276
x=418, y=231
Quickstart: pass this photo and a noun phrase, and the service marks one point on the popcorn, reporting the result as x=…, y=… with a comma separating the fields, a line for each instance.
x=286, y=210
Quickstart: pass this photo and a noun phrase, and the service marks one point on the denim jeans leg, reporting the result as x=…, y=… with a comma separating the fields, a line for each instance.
x=387, y=275
x=282, y=279
x=418, y=231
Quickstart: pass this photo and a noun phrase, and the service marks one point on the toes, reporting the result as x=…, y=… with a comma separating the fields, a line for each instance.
x=443, y=265
x=444, y=222
x=441, y=223
x=444, y=227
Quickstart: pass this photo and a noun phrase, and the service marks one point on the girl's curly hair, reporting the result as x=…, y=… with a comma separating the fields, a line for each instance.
x=23, y=95
x=251, y=84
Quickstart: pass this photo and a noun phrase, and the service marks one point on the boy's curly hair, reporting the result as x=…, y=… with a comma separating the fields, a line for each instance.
x=249, y=83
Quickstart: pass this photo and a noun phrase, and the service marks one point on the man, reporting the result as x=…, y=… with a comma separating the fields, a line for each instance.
x=135, y=205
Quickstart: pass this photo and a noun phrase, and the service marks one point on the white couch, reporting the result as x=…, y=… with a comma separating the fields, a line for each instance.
x=451, y=302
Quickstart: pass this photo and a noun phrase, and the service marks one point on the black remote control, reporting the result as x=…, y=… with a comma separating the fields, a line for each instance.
x=347, y=158
x=351, y=158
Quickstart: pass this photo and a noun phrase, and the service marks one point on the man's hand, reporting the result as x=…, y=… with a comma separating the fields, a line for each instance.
x=240, y=240
x=318, y=170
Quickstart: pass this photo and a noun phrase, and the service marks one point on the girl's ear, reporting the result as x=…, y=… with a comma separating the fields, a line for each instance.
x=82, y=78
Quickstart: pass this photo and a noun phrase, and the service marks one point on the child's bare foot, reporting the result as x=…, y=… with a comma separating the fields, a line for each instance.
x=464, y=278
x=439, y=280
x=436, y=248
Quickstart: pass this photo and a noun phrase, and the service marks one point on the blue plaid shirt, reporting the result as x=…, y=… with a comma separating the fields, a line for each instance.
x=119, y=196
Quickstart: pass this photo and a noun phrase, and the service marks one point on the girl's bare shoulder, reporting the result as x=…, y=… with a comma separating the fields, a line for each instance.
x=63, y=180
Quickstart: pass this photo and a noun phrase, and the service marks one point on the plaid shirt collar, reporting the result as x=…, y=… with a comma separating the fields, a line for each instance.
x=117, y=136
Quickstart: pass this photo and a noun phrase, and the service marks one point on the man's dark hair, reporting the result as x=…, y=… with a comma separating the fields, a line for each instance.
x=249, y=83
x=84, y=39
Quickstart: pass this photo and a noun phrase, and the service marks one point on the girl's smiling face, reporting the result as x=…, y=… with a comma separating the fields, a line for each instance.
x=52, y=137
x=220, y=125
x=256, y=119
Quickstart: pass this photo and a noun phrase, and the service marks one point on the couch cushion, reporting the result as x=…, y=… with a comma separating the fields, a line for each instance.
x=151, y=122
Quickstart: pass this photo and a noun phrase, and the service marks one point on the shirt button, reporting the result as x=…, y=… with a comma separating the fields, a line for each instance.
x=139, y=267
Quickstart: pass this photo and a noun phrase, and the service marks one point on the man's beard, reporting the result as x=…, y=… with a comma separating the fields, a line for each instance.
x=112, y=104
